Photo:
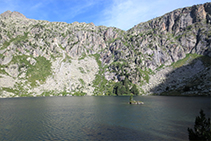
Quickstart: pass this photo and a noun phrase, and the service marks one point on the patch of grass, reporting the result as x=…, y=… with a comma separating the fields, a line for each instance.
x=178, y=37
x=21, y=91
x=18, y=92
x=61, y=47
x=145, y=74
x=81, y=70
x=20, y=59
x=150, y=71
x=126, y=44
x=16, y=40
x=40, y=71
x=67, y=59
x=65, y=93
x=47, y=93
x=186, y=60
x=97, y=58
x=10, y=90
x=82, y=56
x=160, y=67
x=82, y=81
x=25, y=95
x=189, y=27
x=100, y=83
x=79, y=94
x=2, y=71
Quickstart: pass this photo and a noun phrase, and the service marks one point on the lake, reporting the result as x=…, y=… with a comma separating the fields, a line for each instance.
x=99, y=118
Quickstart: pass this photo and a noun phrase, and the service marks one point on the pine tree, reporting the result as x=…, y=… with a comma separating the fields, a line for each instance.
x=201, y=128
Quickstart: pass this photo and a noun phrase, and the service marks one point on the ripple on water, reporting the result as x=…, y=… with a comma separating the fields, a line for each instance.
x=99, y=118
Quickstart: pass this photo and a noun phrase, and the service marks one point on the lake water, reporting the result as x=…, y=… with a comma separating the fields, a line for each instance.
x=99, y=118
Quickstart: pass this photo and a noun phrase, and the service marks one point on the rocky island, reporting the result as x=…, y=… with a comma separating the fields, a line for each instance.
x=168, y=55
x=132, y=101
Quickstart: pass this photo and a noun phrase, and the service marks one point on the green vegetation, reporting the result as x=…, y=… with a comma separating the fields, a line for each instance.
x=40, y=71
x=186, y=60
x=79, y=94
x=97, y=58
x=105, y=87
x=38, y=25
x=131, y=97
x=178, y=37
x=16, y=91
x=46, y=93
x=134, y=90
x=82, y=81
x=120, y=66
x=36, y=72
x=112, y=40
x=61, y=47
x=123, y=87
x=201, y=129
x=120, y=89
x=189, y=27
x=21, y=60
x=145, y=74
x=55, y=93
x=2, y=71
x=81, y=70
x=67, y=59
x=132, y=101
x=25, y=95
x=83, y=56
x=50, y=93
x=99, y=82
x=10, y=90
x=16, y=40
x=160, y=67
x=21, y=91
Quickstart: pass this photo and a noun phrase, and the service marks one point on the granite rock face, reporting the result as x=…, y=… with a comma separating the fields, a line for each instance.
x=168, y=54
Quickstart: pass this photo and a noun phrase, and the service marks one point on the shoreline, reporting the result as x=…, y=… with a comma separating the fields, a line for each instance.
x=208, y=95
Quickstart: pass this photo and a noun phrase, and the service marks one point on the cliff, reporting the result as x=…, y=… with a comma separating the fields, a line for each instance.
x=166, y=55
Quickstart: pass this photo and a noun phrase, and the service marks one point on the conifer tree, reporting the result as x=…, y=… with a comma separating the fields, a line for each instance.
x=201, y=128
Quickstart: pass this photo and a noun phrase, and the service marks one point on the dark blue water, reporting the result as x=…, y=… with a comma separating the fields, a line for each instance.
x=99, y=118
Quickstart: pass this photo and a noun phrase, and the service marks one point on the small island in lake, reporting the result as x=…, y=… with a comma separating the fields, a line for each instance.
x=132, y=101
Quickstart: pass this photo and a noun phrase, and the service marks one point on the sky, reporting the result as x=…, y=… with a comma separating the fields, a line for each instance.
x=123, y=14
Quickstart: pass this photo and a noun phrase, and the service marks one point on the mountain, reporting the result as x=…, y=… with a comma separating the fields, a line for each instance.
x=168, y=55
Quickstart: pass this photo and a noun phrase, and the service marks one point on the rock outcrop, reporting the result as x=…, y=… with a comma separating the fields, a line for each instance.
x=170, y=54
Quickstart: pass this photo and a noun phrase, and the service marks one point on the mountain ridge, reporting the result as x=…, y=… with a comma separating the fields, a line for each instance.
x=41, y=58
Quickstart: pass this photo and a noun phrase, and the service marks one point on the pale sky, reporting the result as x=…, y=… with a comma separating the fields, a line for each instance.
x=123, y=14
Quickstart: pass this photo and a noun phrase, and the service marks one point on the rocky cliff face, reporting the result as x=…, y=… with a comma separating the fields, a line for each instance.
x=166, y=55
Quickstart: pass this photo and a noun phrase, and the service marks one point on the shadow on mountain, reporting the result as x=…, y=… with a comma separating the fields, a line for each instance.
x=193, y=78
